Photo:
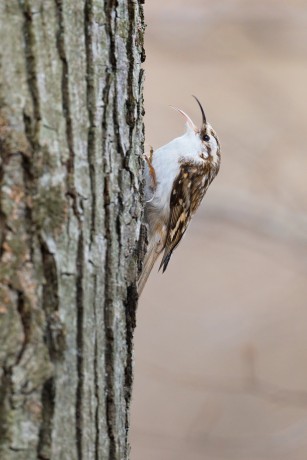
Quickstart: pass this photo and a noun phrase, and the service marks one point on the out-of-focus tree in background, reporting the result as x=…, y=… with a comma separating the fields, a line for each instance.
x=221, y=344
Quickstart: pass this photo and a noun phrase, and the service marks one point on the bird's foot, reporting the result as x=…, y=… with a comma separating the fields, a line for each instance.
x=152, y=171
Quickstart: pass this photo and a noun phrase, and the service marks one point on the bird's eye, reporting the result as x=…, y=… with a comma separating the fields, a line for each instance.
x=206, y=138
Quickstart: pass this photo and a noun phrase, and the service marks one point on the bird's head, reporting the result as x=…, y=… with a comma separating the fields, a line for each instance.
x=205, y=134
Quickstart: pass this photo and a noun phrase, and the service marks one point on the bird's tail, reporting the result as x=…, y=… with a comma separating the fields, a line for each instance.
x=165, y=259
x=154, y=249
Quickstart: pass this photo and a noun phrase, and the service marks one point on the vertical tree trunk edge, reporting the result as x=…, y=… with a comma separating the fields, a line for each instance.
x=71, y=232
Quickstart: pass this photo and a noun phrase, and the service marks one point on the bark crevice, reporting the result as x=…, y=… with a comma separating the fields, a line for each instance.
x=30, y=53
x=55, y=330
x=91, y=107
x=96, y=382
x=44, y=447
x=109, y=337
x=66, y=105
x=80, y=343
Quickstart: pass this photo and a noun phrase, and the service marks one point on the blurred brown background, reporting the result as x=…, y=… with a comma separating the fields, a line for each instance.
x=221, y=339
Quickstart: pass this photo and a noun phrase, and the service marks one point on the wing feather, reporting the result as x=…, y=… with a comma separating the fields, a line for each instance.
x=188, y=190
x=187, y=193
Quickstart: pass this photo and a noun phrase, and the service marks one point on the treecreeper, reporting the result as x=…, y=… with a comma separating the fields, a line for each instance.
x=177, y=176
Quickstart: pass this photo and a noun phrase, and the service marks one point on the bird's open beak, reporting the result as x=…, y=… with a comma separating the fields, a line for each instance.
x=187, y=118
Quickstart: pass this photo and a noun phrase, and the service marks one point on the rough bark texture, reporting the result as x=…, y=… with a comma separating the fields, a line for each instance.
x=71, y=139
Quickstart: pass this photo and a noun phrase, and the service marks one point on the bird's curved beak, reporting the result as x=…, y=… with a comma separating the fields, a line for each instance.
x=187, y=118
x=202, y=112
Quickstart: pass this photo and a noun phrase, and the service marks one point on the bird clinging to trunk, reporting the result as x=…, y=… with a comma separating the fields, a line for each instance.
x=177, y=177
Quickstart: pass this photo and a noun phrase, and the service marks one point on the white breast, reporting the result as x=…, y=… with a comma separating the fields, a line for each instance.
x=166, y=164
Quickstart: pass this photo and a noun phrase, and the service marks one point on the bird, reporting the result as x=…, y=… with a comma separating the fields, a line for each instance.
x=177, y=176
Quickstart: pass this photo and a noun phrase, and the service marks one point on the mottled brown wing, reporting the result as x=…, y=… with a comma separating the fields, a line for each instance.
x=187, y=193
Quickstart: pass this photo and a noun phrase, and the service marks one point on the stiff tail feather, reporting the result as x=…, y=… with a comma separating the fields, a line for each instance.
x=165, y=260
x=153, y=251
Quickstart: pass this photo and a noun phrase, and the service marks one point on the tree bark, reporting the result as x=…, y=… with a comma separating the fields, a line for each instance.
x=71, y=139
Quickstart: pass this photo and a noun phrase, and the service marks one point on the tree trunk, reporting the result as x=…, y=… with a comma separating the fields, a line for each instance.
x=71, y=138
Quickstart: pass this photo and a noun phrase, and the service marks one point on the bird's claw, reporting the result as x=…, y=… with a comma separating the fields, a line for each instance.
x=152, y=171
